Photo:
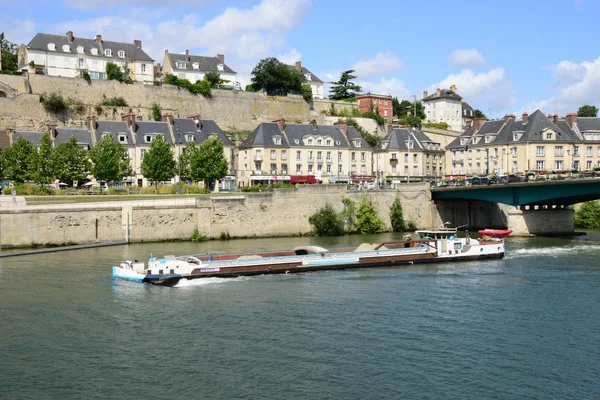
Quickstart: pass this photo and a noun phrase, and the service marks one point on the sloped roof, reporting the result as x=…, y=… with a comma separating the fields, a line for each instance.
x=444, y=94
x=32, y=137
x=83, y=136
x=400, y=136
x=151, y=128
x=41, y=40
x=113, y=128
x=313, y=77
x=205, y=63
x=207, y=127
x=466, y=106
x=588, y=124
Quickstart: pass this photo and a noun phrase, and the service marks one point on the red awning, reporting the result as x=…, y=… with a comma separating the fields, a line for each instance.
x=303, y=179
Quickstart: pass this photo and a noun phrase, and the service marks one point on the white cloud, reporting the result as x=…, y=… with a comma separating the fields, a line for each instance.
x=391, y=86
x=382, y=64
x=573, y=85
x=466, y=58
x=290, y=57
x=487, y=90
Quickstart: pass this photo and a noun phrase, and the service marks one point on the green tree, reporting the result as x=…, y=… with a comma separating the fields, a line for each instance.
x=587, y=111
x=110, y=161
x=250, y=88
x=307, y=93
x=344, y=89
x=113, y=72
x=184, y=160
x=367, y=219
x=405, y=108
x=208, y=163
x=159, y=164
x=397, y=216
x=18, y=160
x=348, y=214
x=411, y=120
x=214, y=78
x=41, y=166
x=326, y=222
x=479, y=114
x=275, y=77
x=156, y=112
x=9, y=55
x=588, y=215
x=70, y=162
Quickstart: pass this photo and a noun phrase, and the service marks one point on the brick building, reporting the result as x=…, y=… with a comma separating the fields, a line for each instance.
x=377, y=102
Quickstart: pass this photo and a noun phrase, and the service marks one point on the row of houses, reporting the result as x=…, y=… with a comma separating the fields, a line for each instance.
x=68, y=55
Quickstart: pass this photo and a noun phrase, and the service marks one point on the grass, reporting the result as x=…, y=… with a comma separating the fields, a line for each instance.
x=41, y=200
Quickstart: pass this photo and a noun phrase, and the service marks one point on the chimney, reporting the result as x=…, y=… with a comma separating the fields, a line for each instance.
x=130, y=119
x=555, y=119
x=314, y=124
x=525, y=117
x=425, y=94
x=478, y=123
x=391, y=127
x=453, y=88
x=571, y=119
x=508, y=116
x=221, y=58
x=52, y=129
x=91, y=120
x=168, y=117
x=139, y=116
x=70, y=36
x=98, y=39
x=438, y=92
x=281, y=123
x=196, y=118
x=187, y=55
x=299, y=66
x=343, y=125
x=468, y=123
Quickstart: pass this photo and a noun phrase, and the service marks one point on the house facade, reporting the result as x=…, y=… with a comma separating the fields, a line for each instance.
x=283, y=152
x=68, y=56
x=445, y=105
x=315, y=83
x=380, y=103
x=194, y=68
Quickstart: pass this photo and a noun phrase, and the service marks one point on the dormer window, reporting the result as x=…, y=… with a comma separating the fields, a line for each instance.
x=148, y=138
x=310, y=142
x=516, y=137
x=122, y=138
x=337, y=143
x=488, y=139
x=94, y=51
x=196, y=66
x=463, y=141
x=328, y=142
x=51, y=47
x=189, y=137
x=121, y=53
x=220, y=67
x=307, y=77
x=297, y=141
x=319, y=142
x=410, y=144
x=108, y=53
x=80, y=50
x=66, y=48
x=356, y=143
x=277, y=140
x=104, y=135
x=180, y=64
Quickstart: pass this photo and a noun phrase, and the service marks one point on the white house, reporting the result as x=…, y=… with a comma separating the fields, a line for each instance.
x=311, y=79
x=193, y=68
x=445, y=105
x=58, y=55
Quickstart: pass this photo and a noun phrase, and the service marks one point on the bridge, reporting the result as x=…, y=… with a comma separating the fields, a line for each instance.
x=539, y=207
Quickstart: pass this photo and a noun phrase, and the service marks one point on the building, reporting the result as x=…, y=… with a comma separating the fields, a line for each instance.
x=281, y=152
x=68, y=56
x=537, y=143
x=406, y=154
x=468, y=115
x=315, y=83
x=194, y=68
x=445, y=105
x=380, y=103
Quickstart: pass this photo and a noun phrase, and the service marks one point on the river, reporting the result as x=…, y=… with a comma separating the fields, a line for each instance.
x=527, y=326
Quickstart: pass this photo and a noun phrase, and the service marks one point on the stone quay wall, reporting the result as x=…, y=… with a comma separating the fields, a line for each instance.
x=283, y=212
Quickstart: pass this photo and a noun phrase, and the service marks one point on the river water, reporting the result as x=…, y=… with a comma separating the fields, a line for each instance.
x=527, y=326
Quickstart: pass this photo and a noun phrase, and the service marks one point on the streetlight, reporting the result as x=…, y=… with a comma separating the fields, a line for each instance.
x=378, y=149
x=178, y=157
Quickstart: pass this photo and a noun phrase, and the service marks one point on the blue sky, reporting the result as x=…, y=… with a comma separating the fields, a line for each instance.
x=509, y=56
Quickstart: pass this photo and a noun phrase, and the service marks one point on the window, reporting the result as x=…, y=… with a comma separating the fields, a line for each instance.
x=353, y=156
x=319, y=167
x=514, y=151
x=559, y=165
x=310, y=156
x=148, y=139
x=51, y=47
x=80, y=49
x=588, y=165
x=328, y=156
x=488, y=139
x=284, y=154
x=108, y=53
x=80, y=63
x=394, y=170
x=298, y=155
x=478, y=154
x=558, y=151
x=122, y=138
x=121, y=53
x=195, y=66
x=310, y=169
x=575, y=150
x=297, y=141
x=328, y=142
x=415, y=170
x=94, y=51
x=189, y=137
x=385, y=112
x=339, y=156
x=576, y=165
x=143, y=68
x=589, y=150
x=539, y=151
x=142, y=153
x=406, y=157
x=386, y=102
x=66, y=48
x=549, y=136
x=339, y=169
x=298, y=168
x=273, y=155
x=220, y=67
x=328, y=168
x=319, y=155
x=180, y=64
x=515, y=137
x=406, y=170
x=356, y=143
x=319, y=142
x=310, y=142
x=415, y=158
x=363, y=156
x=515, y=167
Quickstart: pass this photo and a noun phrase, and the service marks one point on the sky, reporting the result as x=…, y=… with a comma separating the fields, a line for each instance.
x=504, y=57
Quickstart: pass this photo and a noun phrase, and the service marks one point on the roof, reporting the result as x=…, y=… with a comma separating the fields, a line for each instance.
x=368, y=95
x=151, y=128
x=205, y=64
x=444, y=94
x=304, y=71
x=113, y=128
x=41, y=40
x=400, y=136
x=4, y=140
x=207, y=127
x=466, y=106
x=33, y=137
x=588, y=124
x=83, y=136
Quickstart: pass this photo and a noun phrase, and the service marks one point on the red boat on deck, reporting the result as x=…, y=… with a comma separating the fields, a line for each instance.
x=495, y=232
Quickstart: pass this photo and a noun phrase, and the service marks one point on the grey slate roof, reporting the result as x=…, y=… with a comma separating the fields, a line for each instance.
x=40, y=42
x=151, y=128
x=588, y=124
x=399, y=136
x=33, y=137
x=205, y=64
x=83, y=136
x=313, y=77
x=444, y=94
x=113, y=128
x=207, y=127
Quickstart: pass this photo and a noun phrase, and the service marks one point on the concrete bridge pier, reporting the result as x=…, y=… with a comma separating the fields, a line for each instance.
x=541, y=220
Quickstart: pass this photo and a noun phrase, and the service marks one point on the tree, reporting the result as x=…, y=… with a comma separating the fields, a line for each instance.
x=156, y=112
x=70, y=162
x=344, y=89
x=184, y=161
x=412, y=121
x=208, y=163
x=158, y=164
x=367, y=219
x=114, y=73
x=405, y=108
x=275, y=77
x=326, y=222
x=10, y=58
x=588, y=215
x=18, y=160
x=587, y=111
x=214, y=78
x=479, y=114
x=307, y=93
x=397, y=216
x=110, y=161
x=42, y=172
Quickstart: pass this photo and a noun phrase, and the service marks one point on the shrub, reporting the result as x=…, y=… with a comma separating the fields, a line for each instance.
x=367, y=219
x=307, y=93
x=326, y=222
x=186, y=188
x=397, y=216
x=200, y=87
x=197, y=236
x=114, y=101
x=411, y=226
x=86, y=76
x=156, y=112
x=268, y=188
x=54, y=103
x=349, y=214
x=588, y=215
x=375, y=116
x=225, y=235
x=29, y=190
x=438, y=125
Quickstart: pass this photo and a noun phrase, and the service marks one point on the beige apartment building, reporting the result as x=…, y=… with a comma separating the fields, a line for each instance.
x=537, y=142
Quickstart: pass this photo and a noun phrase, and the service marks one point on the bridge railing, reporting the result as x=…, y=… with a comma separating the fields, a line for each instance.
x=497, y=180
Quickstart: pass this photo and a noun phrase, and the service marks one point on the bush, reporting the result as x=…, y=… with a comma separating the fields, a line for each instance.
x=29, y=190
x=197, y=236
x=397, y=216
x=200, y=87
x=588, y=215
x=367, y=219
x=375, y=116
x=326, y=222
x=86, y=76
x=114, y=101
x=307, y=93
x=225, y=236
x=186, y=188
x=54, y=103
x=438, y=125
x=268, y=188
x=411, y=226
x=156, y=112
x=349, y=214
